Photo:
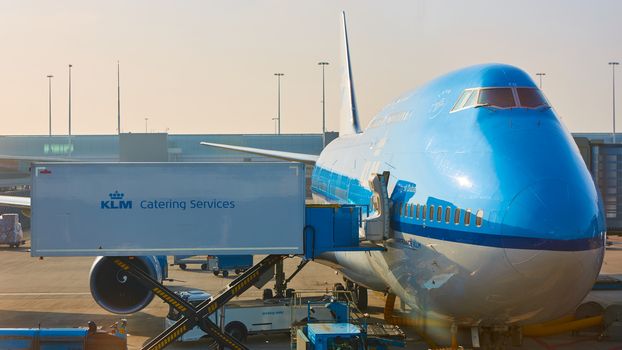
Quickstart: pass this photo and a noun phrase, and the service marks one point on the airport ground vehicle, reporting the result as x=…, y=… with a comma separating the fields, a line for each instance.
x=247, y=317
x=349, y=330
x=11, y=230
x=223, y=264
x=218, y=264
x=327, y=336
x=65, y=338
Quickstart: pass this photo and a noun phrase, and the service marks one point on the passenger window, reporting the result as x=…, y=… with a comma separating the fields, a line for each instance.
x=467, y=217
x=496, y=97
x=423, y=212
x=431, y=213
x=439, y=214
x=457, y=216
x=479, y=217
x=531, y=97
x=417, y=211
x=447, y=214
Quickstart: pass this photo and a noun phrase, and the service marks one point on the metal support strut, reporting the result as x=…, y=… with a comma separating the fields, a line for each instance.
x=199, y=315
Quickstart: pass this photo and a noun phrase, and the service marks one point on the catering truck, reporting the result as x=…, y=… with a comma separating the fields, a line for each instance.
x=247, y=317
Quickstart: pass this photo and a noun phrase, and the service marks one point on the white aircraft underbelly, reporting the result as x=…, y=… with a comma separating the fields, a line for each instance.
x=471, y=284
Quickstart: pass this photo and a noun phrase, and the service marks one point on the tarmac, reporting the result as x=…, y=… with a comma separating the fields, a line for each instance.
x=54, y=292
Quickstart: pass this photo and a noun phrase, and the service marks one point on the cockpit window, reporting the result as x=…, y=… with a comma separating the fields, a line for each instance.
x=531, y=98
x=497, y=97
x=467, y=99
x=501, y=97
x=472, y=98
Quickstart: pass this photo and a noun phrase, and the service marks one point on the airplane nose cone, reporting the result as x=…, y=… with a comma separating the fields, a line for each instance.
x=552, y=209
x=554, y=244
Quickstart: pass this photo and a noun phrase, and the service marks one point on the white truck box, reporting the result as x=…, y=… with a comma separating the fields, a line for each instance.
x=133, y=209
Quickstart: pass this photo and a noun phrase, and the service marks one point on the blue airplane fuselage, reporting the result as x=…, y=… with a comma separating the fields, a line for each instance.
x=533, y=244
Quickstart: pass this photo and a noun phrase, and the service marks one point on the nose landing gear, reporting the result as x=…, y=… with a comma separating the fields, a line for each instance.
x=359, y=293
x=498, y=337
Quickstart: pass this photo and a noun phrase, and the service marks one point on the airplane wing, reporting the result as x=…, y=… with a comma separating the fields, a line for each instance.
x=15, y=201
x=296, y=157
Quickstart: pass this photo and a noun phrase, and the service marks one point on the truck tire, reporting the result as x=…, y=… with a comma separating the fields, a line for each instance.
x=203, y=267
x=237, y=330
x=215, y=272
x=225, y=273
x=183, y=266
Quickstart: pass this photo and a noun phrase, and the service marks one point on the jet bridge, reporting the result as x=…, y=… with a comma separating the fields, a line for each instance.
x=128, y=210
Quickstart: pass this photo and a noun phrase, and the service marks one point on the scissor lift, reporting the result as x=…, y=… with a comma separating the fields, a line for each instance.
x=199, y=315
x=329, y=228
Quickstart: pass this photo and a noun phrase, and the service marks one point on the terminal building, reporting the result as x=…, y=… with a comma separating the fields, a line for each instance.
x=602, y=156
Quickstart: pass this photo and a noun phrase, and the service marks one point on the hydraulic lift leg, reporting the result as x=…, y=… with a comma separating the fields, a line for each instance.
x=199, y=315
x=279, y=281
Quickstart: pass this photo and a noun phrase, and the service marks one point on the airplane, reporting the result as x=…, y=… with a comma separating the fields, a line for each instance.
x=495, y=221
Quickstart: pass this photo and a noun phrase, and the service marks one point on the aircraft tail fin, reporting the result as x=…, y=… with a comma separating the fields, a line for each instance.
x=349, y=118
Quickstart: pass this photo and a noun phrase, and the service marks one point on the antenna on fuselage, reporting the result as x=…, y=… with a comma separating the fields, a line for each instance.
x=349, y=117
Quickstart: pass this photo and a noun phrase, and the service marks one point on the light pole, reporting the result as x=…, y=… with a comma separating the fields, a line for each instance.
x=70, y=99
x=323, y=64
x=50, y=76
x=540, y=75
x=278, y=76
x=613, y=74
x=275, y=119
x=146, y=121
x=118, y=100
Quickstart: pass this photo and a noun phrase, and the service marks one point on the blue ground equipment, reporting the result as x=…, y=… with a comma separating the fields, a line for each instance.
x=64, y=338
x=11, y=230
x=226, y=263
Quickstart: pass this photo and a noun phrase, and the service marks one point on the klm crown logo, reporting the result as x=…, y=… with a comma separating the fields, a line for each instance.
x=116, y=195
x=116, y=201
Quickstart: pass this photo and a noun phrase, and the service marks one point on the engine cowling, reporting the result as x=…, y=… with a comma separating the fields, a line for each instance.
x=117, y=291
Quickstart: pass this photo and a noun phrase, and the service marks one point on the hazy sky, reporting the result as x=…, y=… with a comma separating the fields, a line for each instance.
x=207, y=66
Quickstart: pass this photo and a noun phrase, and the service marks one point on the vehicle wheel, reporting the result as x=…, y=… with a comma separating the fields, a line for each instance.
x=237, y=331
x=203, y=267
x=183, y=266
x=225, y=273
x=237, y=271
x=267, y=294
x=215, y=272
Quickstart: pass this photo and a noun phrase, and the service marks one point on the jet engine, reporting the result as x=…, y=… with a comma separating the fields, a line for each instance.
x=117, y=291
